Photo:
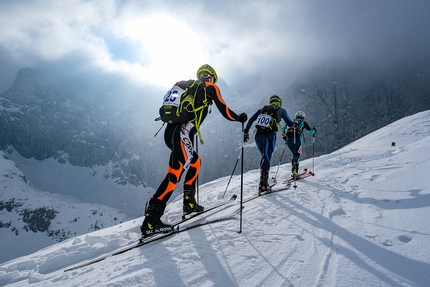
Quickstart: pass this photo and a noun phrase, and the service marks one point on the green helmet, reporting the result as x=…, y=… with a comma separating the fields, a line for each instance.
x=206, y=71
x=275, y=100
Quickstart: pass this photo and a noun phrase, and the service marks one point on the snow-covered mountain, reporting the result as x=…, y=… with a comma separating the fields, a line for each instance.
x=363, y=220
x=37, y=218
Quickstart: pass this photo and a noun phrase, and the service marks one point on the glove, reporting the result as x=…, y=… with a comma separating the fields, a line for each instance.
x=245, y=137
x=313, y=131
x=243, y=117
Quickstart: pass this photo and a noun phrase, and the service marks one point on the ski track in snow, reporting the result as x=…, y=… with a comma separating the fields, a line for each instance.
x=362, y=220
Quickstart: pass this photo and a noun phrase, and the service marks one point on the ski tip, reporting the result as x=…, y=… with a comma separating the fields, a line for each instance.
x=305, y=169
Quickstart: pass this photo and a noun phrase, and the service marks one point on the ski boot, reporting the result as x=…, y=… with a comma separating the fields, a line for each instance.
x=190, y=204
x=152, y=224
x=294, y=170
x=264, y=186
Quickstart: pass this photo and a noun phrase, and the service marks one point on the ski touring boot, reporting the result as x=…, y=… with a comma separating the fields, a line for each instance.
x=264, y=186
x=152, y=224
x=190, y=204
x=294, y=171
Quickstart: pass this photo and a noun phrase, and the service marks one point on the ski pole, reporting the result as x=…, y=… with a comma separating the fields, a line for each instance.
x=232, y=173
x=294, y=163
x=241, y=181
x=313, y=154
x=276, y=174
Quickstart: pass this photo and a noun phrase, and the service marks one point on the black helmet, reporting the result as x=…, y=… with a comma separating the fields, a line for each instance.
x=275, y=100
x=207, y=71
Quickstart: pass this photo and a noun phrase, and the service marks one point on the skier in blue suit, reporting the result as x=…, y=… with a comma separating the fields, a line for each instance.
x=268, y=119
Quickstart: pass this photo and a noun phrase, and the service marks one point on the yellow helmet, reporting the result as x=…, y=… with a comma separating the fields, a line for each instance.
x=206, y=70
x=275, y=100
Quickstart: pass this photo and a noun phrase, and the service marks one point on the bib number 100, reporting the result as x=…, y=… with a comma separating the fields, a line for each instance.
x=264, y=120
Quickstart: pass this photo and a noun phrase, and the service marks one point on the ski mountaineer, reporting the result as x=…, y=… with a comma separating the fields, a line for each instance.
x=268, y=118
x=294, y=139
x=179, y=138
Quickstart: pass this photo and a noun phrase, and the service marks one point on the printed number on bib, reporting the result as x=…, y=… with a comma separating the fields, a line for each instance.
x=264, y=120
x=173, y=96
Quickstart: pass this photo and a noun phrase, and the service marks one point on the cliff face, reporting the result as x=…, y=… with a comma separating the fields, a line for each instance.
x=66, y=121
x=348, y=103
x=72, y=121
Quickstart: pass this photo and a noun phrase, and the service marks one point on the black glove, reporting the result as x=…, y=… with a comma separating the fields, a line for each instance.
x=315, y=130
x=245, y=137
x=243, y=117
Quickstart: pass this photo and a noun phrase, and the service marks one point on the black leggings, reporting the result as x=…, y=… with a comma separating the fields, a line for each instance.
x=183, y=157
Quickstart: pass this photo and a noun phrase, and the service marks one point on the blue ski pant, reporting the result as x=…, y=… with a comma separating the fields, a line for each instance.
x=266, y=143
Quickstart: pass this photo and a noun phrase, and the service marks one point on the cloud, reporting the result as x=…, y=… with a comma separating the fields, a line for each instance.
x=159, y=42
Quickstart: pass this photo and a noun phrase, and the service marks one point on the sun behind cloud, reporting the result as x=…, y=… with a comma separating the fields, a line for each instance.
x=170, y=49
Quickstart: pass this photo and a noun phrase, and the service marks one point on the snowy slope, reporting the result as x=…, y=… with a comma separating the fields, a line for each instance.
x=37, y=219
x=363, y=220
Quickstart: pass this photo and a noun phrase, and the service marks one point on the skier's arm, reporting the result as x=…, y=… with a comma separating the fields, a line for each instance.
x=251, y=120
x=213, y=92
x=286, y=118
x=309, y=129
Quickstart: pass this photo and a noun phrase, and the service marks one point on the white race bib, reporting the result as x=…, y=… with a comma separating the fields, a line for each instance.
x=264, y=120
x=173, y=96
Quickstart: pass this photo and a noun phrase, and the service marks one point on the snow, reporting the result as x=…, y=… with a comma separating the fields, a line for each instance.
x=362, y=220
x=93, y=185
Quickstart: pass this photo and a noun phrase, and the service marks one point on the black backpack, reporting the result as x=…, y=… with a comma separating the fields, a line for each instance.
x=266, y=120
x=180, y=105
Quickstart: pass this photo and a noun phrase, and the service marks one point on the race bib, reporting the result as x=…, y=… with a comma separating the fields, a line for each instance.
x=264, y=120
x=173, y=97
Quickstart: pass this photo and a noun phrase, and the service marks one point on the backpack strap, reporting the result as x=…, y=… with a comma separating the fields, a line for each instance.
x=198, y=112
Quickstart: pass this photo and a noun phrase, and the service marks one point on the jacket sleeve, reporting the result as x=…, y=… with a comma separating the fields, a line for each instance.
x=214, y=93
x=308, y=128
x=251, y=120
x=286, y=118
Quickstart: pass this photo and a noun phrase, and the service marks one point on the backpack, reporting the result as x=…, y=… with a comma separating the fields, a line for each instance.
x=290, y=131
x=180, y=105
x=266, y=120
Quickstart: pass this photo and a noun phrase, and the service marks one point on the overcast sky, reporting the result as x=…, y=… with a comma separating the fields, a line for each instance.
x=159, y=42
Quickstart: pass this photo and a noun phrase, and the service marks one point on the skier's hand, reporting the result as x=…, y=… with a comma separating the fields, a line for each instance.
x=245, y=137
x=243, y=117
x=315, y=130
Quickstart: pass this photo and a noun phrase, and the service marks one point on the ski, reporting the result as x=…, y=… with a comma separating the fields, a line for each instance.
x=156, y=237
x=273, y=190
x=304, y=174
x=206, y=210
x=178, y=229
x=284, y=186
x=187, y=217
